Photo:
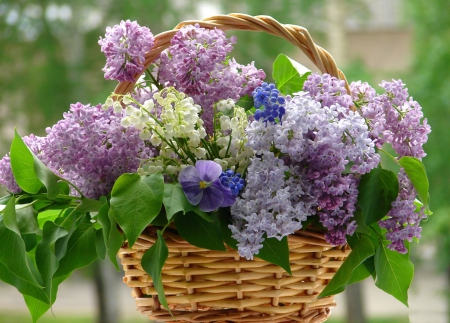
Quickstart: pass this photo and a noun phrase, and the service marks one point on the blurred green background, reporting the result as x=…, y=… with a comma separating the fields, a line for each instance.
x=49, y=58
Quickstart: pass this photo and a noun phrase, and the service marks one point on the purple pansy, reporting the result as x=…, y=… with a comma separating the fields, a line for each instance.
x=203, y=187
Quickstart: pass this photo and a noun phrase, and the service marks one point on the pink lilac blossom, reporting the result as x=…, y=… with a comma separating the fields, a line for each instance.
x=196, y=63
x=89, y=148
x=125, y=46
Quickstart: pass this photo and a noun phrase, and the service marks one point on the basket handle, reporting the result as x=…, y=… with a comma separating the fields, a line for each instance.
x=296, y=35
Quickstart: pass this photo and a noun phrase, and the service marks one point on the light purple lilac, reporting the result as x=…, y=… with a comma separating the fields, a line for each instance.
x=125, y=46
x=89, y=148
x=307, y=177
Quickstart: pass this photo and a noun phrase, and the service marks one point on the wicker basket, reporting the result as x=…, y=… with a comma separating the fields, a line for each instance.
x=213, y=286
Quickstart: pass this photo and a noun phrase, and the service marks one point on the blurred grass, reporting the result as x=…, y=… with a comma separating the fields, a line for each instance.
x=374, y=320
x=48, y=318
x=24, y=318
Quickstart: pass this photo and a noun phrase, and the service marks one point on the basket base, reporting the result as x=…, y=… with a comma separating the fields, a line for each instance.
x=233, y=316
x=206, y=286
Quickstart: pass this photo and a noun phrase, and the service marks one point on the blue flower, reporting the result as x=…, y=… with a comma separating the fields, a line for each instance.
x=202, y=186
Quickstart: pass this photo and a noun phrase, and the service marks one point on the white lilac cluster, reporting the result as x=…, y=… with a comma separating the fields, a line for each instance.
x=299, y=169
x=230, y=136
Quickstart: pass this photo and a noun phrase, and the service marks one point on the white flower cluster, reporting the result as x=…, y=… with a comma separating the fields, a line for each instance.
x=230, y=136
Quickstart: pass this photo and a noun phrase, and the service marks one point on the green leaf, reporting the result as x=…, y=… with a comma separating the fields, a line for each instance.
x=5, y=199
x=224, y=217
x=199, y=232
x=26, y=217
x=45, y=255
x=49, y=215
x=13, y=250
x=80, y=250
x=343, y=277
x=289, y=75
x=67, y=221
x=114, y=238
x=23, y=286
x=100, y=245
x=161, y=219
x=152, y=262
x=246, y=102
x=416, y=172
x=394, y=272
x=175, y=200
x=38, y=308
x=89, y=205
x=22, y=166
x=377, y=190
x=136, y=200
x=276, y=252
x=47, y=177
x=29, y=172
x=359, y=273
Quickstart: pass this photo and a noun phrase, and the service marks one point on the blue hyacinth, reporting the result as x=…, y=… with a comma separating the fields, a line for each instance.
x=233, y=181
x=269, y=103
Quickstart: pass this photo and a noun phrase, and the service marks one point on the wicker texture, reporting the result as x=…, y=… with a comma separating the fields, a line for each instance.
x=213, y=286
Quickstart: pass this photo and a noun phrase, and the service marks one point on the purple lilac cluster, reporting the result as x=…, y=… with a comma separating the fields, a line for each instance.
x=89, y=148
x=269, y=103
x=6, y=176
x=328, y=90
x=125, y=46
x=404, y=128
x=234, y=181
x=397, y=119
x=403, y=221
x=196, y=63
x=315, y=143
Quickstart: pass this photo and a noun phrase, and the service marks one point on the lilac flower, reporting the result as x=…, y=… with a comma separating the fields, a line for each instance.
x=203, y=187
x=88, y=147
x=6, y=176
x=328, y=90
x=403, y=221
x=196, y=64
x=125, y=46
x=404, y=129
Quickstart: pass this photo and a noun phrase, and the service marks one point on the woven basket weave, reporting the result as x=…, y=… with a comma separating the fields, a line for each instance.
x=214, y=286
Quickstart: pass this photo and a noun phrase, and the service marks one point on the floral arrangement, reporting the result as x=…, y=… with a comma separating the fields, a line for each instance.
x=206, y=145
